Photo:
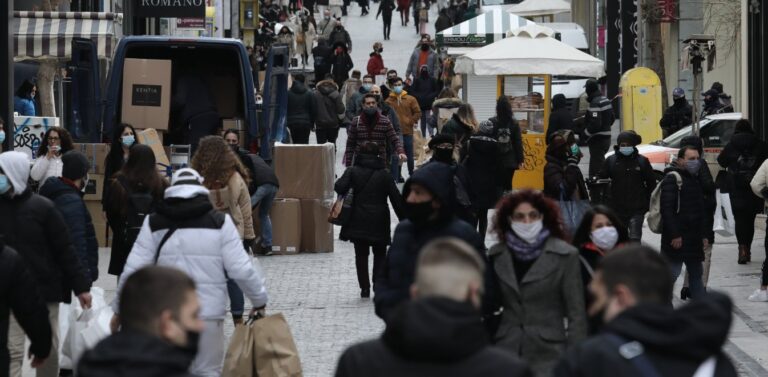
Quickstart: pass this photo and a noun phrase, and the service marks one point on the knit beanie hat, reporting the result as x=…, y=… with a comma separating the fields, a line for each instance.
x=75, y=165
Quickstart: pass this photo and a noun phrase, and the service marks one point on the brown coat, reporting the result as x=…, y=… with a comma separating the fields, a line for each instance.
x=407, y=109
x=235, y=200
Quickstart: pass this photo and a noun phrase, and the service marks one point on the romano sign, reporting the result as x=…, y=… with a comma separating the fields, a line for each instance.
x=169, y=8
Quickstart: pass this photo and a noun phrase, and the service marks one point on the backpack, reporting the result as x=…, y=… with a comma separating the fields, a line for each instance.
x=654, y=213
x=746, y=167
x=140, y=205
x=504, y=139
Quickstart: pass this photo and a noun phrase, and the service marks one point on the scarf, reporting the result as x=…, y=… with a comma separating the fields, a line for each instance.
x=525, y=251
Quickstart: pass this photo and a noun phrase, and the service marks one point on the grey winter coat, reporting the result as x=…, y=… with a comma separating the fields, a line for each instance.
x=329, y=109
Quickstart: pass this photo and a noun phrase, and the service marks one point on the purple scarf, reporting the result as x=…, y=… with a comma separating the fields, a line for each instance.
x=525, y=251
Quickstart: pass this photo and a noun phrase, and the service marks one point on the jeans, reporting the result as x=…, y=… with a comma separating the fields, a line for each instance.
x=695, y=272
x=236, y=299
x=327, y=135
x=425, y=123
x=263, y=197
x=745, y=225
x=634, y=225
x=361, y=262
x=408, y=146
x=16, y=350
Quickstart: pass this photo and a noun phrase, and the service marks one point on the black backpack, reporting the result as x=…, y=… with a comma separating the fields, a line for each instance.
x=746, y=167
x=140, y=205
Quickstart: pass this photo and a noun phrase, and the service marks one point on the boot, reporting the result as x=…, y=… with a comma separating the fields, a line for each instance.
x=749, y=253
x=743, y=252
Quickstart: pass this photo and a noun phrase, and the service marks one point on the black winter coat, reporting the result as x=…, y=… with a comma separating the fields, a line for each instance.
x=409, y=238
x=263, y=174
x=561, y=117
x=340, y=67
x=425, y=89
x=370, y=213
x=461, y=132
x=676, y=341
x=19, y=294
x=69, y=202
x=632, y=182
x=32, y=226
x=512, y=155
x=482, y=169
x=301, y=107
x=431, y=337
x=321, y=56
x=689, y=222
x=745, y=144
x=328, y=105
x=131, y=353
x=599, y=117
x=559, y=172
x=676, y=116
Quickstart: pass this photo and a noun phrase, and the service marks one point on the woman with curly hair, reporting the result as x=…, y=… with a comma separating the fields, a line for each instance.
x=536, y=280
x=55, y=143
x=227, y=181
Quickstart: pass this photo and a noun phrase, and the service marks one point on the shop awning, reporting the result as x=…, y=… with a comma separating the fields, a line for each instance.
x=49, y=34
x=533, y=8
x=489, y=27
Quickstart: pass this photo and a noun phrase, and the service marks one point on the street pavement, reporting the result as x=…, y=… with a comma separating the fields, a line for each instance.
x=319, y=296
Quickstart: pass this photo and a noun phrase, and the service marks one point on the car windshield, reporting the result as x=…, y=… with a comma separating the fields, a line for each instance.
x=673, y=141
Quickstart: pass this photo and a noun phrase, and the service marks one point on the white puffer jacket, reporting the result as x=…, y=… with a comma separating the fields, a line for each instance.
x=760, y=181
x=205, y=245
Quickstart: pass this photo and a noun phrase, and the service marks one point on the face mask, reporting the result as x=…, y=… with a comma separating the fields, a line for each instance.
x=528, y=232
x=626, y=150
x=575, y=150
x=367, y=87
x=85, y=184
x=2, y=136
x=370, y=111
x=424, y=47
x=381, y=50
x=692, y=166
x=193, y=342
x=398, y=89
x=444, y=155
x=56, y=148
x=424, y=73
x=419, y=213
x=605, y=238
x=128, y=140
x=5, y=185
x=235, y=148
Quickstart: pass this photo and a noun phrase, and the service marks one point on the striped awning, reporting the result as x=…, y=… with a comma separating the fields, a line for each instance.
x=489, y=27
x=49, y=34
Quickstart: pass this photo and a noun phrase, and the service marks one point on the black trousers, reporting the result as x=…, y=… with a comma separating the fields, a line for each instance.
x=481, y=222
x=387, y=19
x=362, y=249
x=505, y=178
x=598, y=147
x=764, y=277
x=327, y=135
x=300, y=135
x=745, y=225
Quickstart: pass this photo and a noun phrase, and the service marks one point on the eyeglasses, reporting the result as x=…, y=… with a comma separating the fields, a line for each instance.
x=533, y=215
x=53, y=138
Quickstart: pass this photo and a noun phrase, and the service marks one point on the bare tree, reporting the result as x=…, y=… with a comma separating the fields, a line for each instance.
x=654, y=56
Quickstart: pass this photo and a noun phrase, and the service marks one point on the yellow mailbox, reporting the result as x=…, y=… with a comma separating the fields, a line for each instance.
x=641, y=103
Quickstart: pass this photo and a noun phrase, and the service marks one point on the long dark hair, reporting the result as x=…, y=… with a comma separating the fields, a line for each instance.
x=506, y=207
x=140, y=171
x=64, y=138
x=504, y=111
x=25, y=89
x=115, y=156
x=583, y=232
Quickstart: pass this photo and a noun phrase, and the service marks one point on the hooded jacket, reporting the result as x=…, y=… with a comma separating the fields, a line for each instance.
x=561, y=117
x=676, y=116
x=321, y=56
x=461, y=133
x=301, y=106
x=676, y=341
x=745, y=145
x=341, y=64
x=684, y=219
x=131, y=353
x=375, y=64
x=19, y=295
x=407, y=109
x=69, y=202
x=205, y=245
x=329, y=108
x=409, y=238
x=451, y=103
x=33, y=227
x=431, y=337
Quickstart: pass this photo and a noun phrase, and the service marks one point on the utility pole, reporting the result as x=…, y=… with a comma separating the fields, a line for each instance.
x=6, y=70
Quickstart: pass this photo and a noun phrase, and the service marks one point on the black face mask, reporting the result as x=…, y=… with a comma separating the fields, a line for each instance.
x=443, y=155
x=370, y=112
x=424, y=47
x=596, y=321
x=193, y=343
x=235, y=148
x=419, y=213
x=425, y=73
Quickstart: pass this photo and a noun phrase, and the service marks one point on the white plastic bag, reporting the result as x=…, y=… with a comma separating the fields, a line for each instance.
x=87, y=327
x=724, y=224
x=64, y=361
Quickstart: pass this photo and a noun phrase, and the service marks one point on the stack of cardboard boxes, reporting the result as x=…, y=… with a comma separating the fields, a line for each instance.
x=300, y=213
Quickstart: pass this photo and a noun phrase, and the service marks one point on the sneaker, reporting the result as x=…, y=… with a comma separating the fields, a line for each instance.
x=758, y=295
x=265, y=250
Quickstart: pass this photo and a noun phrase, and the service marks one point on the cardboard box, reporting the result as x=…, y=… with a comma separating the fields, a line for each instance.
x=316, y=231
x=96, y=154
x=103, y=236
x=305, y=171
x=146, y=93
x=94, y=190
x=150, y=137
x=286, y=226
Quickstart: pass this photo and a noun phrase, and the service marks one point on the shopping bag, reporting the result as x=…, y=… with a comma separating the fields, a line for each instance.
x=86, y=327
x=275, y=352
x=238, y=361
x=74, y=346
x=418, y=146
x=64, y=361
x=724, y=224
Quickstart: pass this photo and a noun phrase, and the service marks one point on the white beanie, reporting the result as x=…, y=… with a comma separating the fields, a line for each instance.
x=15, y=166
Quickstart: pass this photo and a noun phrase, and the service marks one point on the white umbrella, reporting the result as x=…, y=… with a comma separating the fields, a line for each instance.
x=533, y=8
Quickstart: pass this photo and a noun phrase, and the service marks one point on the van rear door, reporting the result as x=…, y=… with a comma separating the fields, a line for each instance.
x=85, y=113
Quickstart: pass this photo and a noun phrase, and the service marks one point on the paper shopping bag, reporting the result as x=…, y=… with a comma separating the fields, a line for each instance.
x=238, y=362
x=275, y=351
x=725, y=223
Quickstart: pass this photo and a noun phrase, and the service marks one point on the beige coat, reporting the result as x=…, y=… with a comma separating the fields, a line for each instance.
x=235, y=200
x=760, y=181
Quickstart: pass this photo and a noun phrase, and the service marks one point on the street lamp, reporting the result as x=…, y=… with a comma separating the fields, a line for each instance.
x=699, y=47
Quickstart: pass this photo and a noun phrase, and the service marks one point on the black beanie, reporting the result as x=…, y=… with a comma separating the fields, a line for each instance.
x=75, y=165
x=630, y=137
x=591, y=86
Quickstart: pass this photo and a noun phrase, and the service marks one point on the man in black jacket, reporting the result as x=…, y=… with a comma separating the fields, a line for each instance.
x=632, y=182
x=598, y=120
x=329, y=110
x=561, y=117
x=321, y=56
x=32, y=226
x=301, y=110
x=159, y=314
x=642, y=330
x=267, y=185
x=678, y=115
x=18, y=294
x=439, y=332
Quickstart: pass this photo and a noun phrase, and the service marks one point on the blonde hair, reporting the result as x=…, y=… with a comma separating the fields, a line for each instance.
x=466, y=115
x=448, y=267
x=216, y=162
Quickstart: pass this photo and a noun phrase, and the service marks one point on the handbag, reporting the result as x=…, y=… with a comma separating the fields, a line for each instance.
x=572, y=211
x=341, y=211
x=724, y=223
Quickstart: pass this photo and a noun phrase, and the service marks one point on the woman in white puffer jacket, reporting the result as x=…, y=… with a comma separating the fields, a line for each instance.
x=759, y=186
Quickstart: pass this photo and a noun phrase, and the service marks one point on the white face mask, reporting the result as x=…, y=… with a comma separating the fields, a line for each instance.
x=85, y=184
x=528, y=232
x=605, y=238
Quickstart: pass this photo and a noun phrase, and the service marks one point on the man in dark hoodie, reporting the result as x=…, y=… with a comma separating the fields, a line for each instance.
x=643, y=335
x=561, y=117
x=321, y=56
x=438, y=333
x=632, y=182
x=159, y=314
x=301, y=110
x=598, y=121
x=678, y=115
x=329, y=110
x=430, y=210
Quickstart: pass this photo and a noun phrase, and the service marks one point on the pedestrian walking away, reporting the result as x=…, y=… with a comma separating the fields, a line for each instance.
x=482, y=167
x=510, y=140
x=445, y=105
x=403, y=6
x=461, y=126
x=329, y=111
x=561, y=117
x=385, y=10
x=759, y=186
x=321, y=56
x=598, y=121
x=301, y=111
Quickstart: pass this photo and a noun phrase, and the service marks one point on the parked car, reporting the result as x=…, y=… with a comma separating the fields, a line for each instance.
x=715, y=131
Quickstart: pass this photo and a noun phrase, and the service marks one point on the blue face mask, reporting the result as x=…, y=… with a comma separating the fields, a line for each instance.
x=626, y=150
x=398, y=89
x=575, y=149
x=2, y=136
x=4, y=184
x=692, y=166
x=128, y=140
x=367, y=87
